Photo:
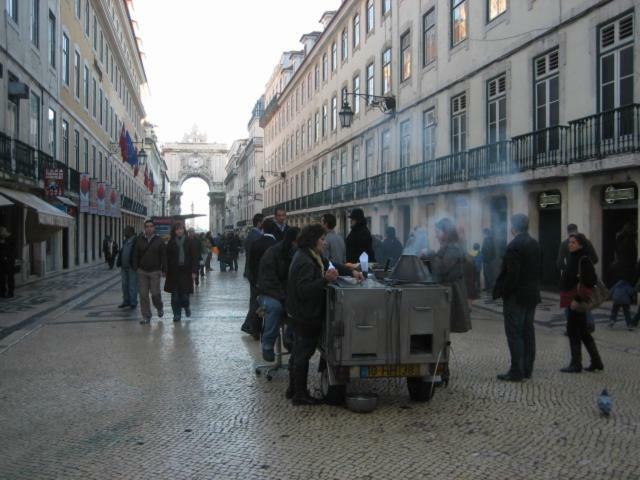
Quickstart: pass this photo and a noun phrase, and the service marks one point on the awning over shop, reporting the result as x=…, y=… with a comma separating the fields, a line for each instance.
x=47, y=214
x=67, y=201
x=5, y=202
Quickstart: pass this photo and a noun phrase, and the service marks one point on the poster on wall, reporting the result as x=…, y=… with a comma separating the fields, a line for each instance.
x=93, y=197
x=163, y=227
x=107, y=201
x=85, y=185
x=113, y=202
x=102, y=193
x=53, y=182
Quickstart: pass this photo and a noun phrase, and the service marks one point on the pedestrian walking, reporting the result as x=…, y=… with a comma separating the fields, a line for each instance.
x=622, y=294
x=182, y=270
x=232, y=244
x=578, y=280
x=252, y=325
x=7, y=263
x=272, y=289
x=209, y=243
x=336, y=249
x=254, y=234
x=626, y=249
x=150, y=261
x=110, y=251
x=196, y=244
x=128, y=274
x=488, y=251
x=309, y=274
x=563, y=251
x=476, y=257
x=519, y=287
x=391, y=248
x=359, y=239
x=280, y=216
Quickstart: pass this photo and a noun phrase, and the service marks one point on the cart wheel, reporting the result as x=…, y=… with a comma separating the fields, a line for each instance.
x=331, y=394
x=269, y=377
x=258, y=372
x=419, y=389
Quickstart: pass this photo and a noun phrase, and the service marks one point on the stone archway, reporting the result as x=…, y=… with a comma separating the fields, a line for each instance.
x=198, y=160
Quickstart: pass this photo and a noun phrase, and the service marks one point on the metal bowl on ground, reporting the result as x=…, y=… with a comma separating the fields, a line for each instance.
x=362, y=402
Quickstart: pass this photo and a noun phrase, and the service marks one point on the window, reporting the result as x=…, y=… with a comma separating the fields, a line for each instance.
x=100, y=112
x=93, y=160
x=35, y=121
x=405, y=56
x=76, y=68
x=86, y=87
x=65, y=142
x=86, y=155
x=334, y=171
x=95, y=97
x=496, y=8
x=497, y=110
x=334, y=113
x=356, y=94
x=324, y=120
x=547, y=100
x=356, y=31
x=355, y=163
x=12, y=10
x=35, y=23
x=343, y=166
x=405, y=143
x=429, y=45
x=429, y=135
x=101, y=47
x=309, y=85
x=52, y=133
x=458, y=21
x=65, y=59
x=78, y=8
x=325, y=67
x=385, y=151
x=95, y=33
x=370, y=84
x=370, y=15
x=616, y=77
x=317, y=77
x=77, y=149
x=334, y=56
x=87, y=20
x=386, y=71
x=385, y=7
x=344, y=45
x=368, y=157
x=52, y=39
x=317, y=129
x=323, y=174
x=459, y=123
x=309, y=133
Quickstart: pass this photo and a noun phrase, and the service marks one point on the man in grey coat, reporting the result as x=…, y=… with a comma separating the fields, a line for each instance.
x=335, y=249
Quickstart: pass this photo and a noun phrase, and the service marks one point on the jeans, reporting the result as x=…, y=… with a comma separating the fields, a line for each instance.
x=273, y=315
x=521, y=337
x=129, y=287
x=627, y=313
x=149, y=282
x=179, y=300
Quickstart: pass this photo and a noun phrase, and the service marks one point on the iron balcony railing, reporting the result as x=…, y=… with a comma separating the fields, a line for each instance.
x=25, y=160
x=5, y=154
x=596, y=136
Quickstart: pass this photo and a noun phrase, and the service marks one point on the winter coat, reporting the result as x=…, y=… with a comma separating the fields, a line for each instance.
x=448, y=267
x=359, y=240
x=579, y=269
x=563, y=254
x=521, y=272
x=335, y=249
x=306, y=293
x=179, y=278
x=273, y=271
x=257, y=251
x=150, y=256
x=252, y=236
x=280, y=232
x=7, y=256
x=622, y=293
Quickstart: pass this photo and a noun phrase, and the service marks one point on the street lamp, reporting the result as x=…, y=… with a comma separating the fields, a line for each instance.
x=262, y=181
x=387, y=105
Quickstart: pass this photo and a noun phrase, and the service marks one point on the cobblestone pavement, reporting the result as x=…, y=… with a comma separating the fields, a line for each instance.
x=91, y=394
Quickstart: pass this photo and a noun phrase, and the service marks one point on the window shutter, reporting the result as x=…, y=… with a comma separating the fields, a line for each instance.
x=502, y=84
x=625, y=28
x=541, y=66
x=607, y=36
x=553, y=61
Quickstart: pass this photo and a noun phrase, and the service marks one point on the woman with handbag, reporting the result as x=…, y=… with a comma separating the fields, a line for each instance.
x=576, y=292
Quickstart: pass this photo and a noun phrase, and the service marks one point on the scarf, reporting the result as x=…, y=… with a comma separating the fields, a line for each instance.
x=180, y=243
x=318, y=260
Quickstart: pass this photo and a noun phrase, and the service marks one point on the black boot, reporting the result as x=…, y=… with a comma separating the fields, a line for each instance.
x=576, y=357
x=291, y=388
x=596, y=361
x=301, y=395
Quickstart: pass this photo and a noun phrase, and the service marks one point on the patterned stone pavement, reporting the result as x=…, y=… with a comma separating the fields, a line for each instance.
x=91, y=394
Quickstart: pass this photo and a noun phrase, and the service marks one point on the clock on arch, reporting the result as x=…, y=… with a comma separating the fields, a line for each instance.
x=195, y=162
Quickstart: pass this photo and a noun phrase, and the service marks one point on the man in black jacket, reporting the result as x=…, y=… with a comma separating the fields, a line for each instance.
x=268, y=239
x=519, y=286
x=150, y=261
x=280, y=216
x=359, y=239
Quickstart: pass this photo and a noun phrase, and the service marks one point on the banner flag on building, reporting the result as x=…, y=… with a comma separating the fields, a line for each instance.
x=113, y=202
x=107, y=199
x=93, y=196
x=123, y=144
x=151, y=182
x=146, y=176
x=85, y=185
x=132, y=156
x=102, y=193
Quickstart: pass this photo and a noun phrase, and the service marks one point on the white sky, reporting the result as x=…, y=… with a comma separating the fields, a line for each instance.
x=208, y=61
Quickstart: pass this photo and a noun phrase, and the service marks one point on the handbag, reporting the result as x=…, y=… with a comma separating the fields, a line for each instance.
x=593, y=297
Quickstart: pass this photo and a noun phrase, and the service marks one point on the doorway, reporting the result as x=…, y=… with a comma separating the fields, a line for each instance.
x=65, y=248
x=614, y=218
x=550, y=237
x=406, y=223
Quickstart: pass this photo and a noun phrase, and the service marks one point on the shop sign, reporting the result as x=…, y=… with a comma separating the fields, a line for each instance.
x=613, y=194
x=85, y=187
x=53, y=182
x=548, y=199
x=163, y=227
x=113, y=202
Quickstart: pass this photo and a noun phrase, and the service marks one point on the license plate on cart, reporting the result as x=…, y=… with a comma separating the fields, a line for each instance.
x=382, y=371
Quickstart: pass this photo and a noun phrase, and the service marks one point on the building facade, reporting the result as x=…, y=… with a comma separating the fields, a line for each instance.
x=232, y=184
x=501, y=107
x=71, y=80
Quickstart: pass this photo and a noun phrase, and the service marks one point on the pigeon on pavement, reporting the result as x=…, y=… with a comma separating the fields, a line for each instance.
x=605, y=403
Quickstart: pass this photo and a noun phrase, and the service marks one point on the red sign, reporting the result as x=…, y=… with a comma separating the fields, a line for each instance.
x=54, y=182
